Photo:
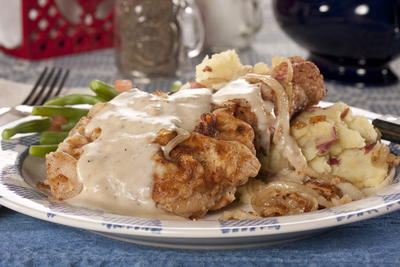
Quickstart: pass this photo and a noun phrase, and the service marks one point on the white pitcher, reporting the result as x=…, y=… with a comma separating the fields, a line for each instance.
x=230, y=24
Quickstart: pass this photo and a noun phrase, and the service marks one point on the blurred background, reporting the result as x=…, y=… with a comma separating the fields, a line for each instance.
x=157, y=42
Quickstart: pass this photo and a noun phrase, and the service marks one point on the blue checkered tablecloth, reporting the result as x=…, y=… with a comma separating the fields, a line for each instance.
x=32, y=242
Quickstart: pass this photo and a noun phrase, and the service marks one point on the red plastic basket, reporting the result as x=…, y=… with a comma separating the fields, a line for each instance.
x=47, y=33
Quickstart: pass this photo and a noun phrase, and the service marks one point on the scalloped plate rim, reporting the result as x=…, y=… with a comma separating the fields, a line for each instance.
x=201, y=229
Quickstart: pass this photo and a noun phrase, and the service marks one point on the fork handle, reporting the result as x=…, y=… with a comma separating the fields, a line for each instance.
x=4, y=110
x=389, y=126
x=21, y=110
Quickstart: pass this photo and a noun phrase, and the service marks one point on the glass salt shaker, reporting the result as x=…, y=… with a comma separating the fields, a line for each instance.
x=150, y=37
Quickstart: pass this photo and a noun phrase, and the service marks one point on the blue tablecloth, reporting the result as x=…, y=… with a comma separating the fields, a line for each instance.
x=28, y=241
x=32, y=242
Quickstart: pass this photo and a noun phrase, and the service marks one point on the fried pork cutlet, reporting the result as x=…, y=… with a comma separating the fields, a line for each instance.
x=304, y=85
x=201, y=173
x=204, y=171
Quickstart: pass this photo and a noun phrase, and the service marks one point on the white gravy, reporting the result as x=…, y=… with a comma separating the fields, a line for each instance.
x=116, y=169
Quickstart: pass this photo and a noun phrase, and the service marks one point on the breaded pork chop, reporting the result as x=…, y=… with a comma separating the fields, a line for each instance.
x=202, y=175
x=204, y=171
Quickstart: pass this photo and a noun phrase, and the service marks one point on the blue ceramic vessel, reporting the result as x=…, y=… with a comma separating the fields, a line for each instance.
x=350, y=41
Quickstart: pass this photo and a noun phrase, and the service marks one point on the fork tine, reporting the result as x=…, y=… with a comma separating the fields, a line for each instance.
x=35, y=87
x=52, y=87
x=60, y=87
x=43, y=89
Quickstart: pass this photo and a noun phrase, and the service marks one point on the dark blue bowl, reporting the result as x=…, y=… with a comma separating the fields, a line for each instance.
x=350, y=40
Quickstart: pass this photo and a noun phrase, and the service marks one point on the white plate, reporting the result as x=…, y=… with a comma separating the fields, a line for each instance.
x=19, y=173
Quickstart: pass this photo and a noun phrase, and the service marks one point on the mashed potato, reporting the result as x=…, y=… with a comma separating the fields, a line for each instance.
x=336, y=142
x=224, y=67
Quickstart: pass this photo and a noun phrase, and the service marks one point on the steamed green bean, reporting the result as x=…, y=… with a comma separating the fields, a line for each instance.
x=67, y=112
x=74, y=99
x=41, y=150
x=52, y=138
x=27, y=127
x=49, y=140
x=103, y=90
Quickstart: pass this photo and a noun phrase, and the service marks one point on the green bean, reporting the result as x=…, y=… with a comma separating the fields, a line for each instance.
x=41, y=150
x=69, y=125
x=103, y=90
x=27, y=127
x=68, y=113
x=52, y=138
x=176, y=86
x=74, y=99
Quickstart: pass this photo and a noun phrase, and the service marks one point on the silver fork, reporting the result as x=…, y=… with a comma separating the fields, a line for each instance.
x=48, y=85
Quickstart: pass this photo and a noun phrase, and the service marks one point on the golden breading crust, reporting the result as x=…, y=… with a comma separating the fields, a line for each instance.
x=308, y=84
x=61, y=174
x=202, y=175
x=205, y=170
x=222, y=125
x=306, y=87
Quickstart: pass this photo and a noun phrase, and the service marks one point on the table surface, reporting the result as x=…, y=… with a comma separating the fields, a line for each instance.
x=29, y=241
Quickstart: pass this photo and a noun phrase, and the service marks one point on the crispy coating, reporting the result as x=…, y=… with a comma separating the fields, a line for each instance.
x=202, y=175
x=206, y=169
x=61, y=174
x=223, y=125
x=306, y=87
x=308, y=84
x=207, y=125
x=240, y=109
x=233, y=129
